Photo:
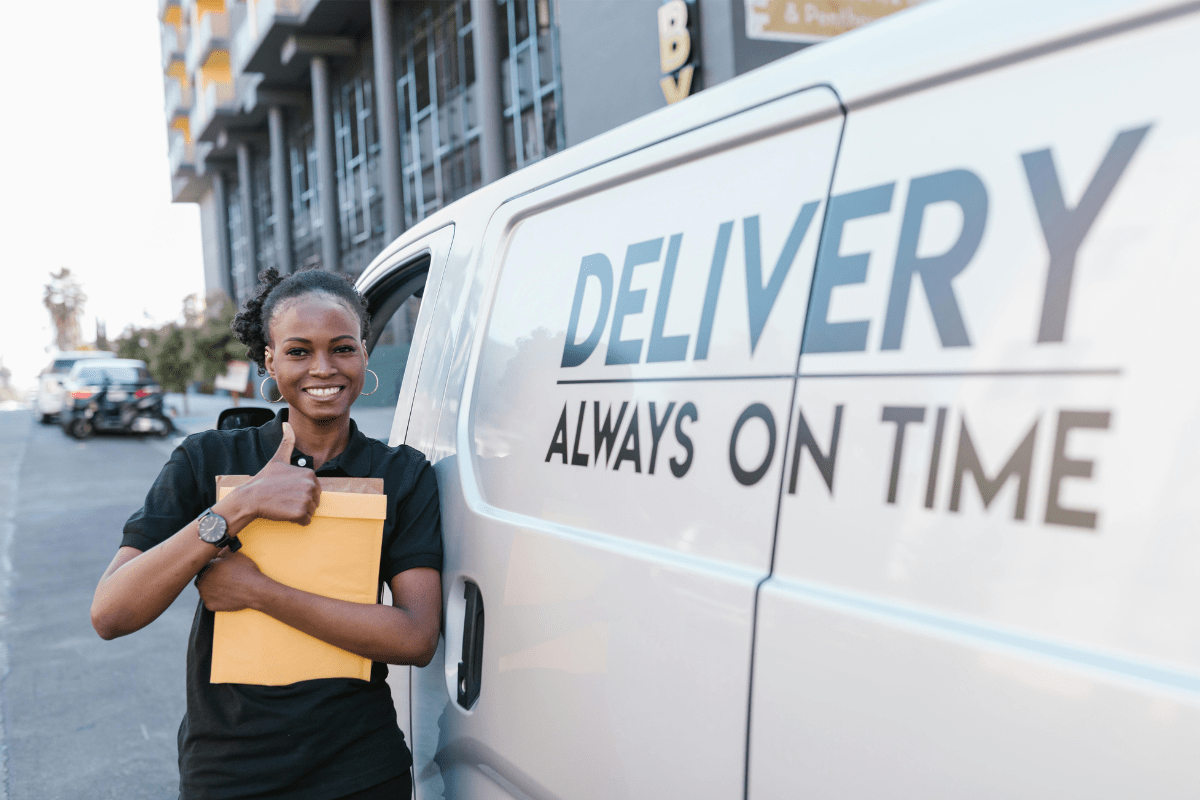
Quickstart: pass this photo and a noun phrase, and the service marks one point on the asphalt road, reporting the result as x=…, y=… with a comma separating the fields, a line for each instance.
x=79, y=717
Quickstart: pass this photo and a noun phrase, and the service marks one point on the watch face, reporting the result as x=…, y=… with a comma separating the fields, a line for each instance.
x=212, y=528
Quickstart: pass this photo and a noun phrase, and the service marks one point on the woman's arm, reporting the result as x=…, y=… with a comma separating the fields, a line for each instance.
x=138, y=586
x=404, y=633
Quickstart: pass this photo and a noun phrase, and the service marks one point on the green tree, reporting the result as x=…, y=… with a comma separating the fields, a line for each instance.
x=137, y=343
x=214, y=344
x=170, y=363
x=194, y=351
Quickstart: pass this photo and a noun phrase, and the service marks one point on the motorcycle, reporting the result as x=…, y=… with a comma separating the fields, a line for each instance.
x=115, y=409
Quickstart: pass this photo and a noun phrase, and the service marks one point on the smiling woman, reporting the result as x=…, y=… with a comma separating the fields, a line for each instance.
x=309, y=333
x=319, y=739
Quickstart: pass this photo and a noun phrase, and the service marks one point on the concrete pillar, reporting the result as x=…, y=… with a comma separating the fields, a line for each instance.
x=487, y=89
x=281, y=199
x=246, y=190
x=385, y=113
x=326, y=177
x=221, y=201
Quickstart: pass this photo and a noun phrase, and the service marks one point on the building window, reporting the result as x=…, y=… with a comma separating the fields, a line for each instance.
x=264, y=211
x=241, y=260
x=439, y=121
x=306, y=210
x=533, y=122
x=356, y=144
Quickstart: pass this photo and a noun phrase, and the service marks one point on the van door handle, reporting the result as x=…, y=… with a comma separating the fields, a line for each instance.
x=470, y=669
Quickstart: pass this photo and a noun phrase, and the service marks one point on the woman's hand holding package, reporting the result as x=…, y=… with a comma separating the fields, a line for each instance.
x=229, y=582
x=280, y=491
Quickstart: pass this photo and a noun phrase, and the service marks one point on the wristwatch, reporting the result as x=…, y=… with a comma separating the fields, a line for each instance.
x=215, y=531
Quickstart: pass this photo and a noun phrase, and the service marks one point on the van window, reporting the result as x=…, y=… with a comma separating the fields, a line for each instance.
x=396, y=295
x=395, y=309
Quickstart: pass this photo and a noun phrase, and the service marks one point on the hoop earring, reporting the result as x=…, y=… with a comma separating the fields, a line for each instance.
x=376, y=389
x=262, y=387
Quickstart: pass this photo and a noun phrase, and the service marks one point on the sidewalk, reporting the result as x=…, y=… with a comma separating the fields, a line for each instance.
x=203, y=409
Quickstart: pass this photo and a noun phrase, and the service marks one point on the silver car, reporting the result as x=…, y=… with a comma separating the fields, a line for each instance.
x=49, y=400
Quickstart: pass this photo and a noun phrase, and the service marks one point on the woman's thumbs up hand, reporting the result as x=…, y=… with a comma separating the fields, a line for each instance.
x=280, y=491
x=286, y=446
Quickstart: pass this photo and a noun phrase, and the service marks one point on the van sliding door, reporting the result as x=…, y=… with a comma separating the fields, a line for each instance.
x=985, y=582
x=613, y=499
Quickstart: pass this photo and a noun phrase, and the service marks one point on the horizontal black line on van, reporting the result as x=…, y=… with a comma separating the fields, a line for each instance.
x=1111, y=372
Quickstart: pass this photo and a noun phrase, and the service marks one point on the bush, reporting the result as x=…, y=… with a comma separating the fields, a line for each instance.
x=195, y=351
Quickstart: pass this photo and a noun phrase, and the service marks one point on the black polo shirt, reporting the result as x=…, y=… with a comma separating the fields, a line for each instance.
x=314, y=739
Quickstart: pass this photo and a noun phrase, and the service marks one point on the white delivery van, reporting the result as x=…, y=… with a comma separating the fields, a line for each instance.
x=833, y=433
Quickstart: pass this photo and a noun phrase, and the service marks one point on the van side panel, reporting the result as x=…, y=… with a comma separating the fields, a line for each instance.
x=991, y=589
x=638, y=313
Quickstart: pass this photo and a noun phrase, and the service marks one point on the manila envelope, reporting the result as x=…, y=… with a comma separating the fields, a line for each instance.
x=336, y=555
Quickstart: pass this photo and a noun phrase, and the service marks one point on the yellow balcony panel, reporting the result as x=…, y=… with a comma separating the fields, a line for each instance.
x=204, y=7
x=194, y=11
x=168, y=7
x=210, y=34
x=180, y=126
x=176, y=70
x=215, y=68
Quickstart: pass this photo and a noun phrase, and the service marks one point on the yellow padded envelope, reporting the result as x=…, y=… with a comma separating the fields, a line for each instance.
x=336, y=555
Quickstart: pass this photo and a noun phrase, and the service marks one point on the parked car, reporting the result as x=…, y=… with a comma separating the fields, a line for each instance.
x=113, y=395
x=49, y=399
x=832, y=433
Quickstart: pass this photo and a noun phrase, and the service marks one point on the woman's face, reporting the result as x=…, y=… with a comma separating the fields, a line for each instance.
x=316, y=356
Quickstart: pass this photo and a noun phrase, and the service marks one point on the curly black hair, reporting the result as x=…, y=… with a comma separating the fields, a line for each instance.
x=252, y=325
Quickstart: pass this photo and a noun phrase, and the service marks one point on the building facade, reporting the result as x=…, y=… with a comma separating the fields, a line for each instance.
x=313, y=132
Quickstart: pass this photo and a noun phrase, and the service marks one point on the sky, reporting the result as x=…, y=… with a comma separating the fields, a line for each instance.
x=84, y=175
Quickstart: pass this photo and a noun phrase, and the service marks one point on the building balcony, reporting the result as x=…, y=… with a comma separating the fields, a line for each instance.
x=245, y=86
x=208, y=163
x=242, y=44
x=268, y=24
x=266, y=13
x=172, y=46
x=210, y=34
x=178, y=98
x=181, y=154
x=215, y=102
